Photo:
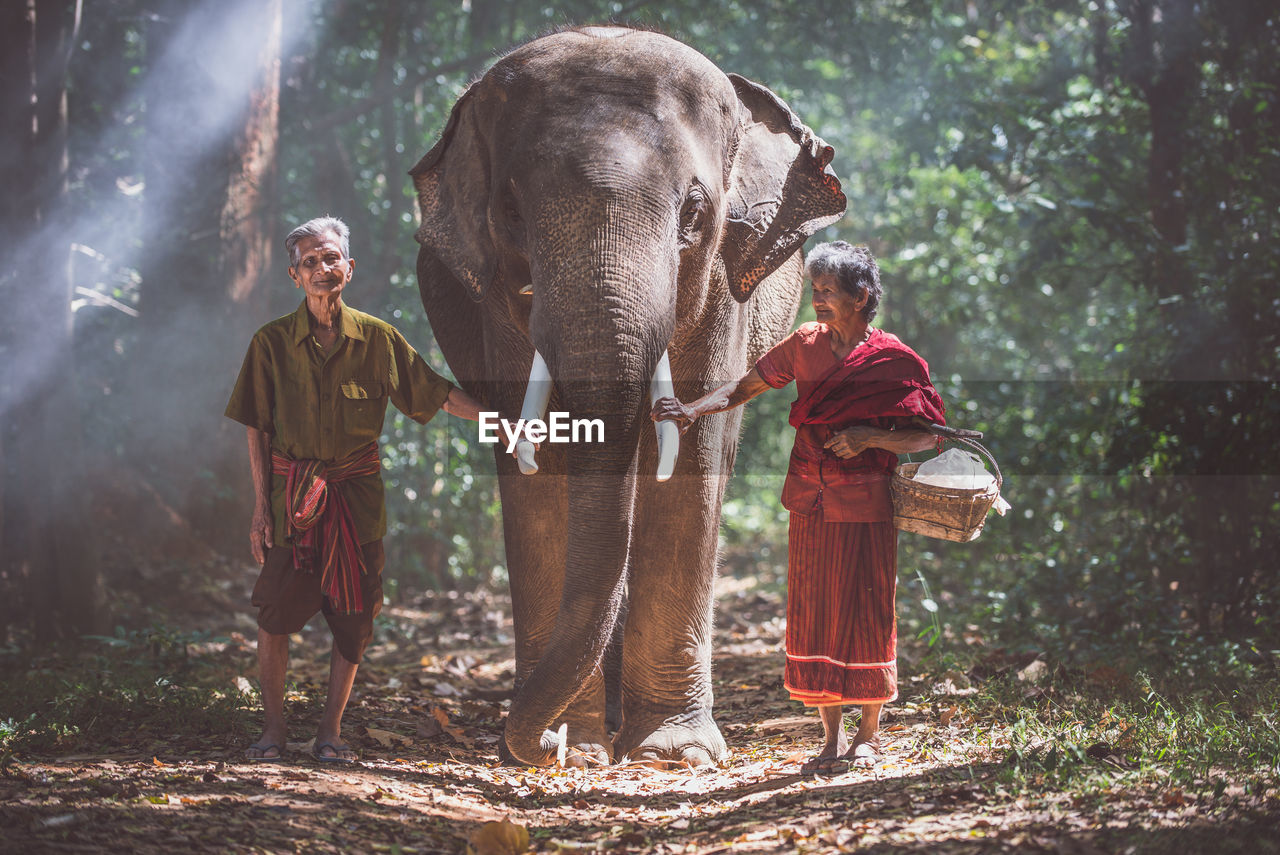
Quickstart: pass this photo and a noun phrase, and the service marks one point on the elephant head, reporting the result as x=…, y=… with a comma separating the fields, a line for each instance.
x=599, y=199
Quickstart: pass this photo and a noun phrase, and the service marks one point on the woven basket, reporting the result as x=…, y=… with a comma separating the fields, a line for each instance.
x=948, y=513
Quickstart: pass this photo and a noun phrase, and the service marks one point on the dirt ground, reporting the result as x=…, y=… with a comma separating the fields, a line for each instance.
x=427, y=714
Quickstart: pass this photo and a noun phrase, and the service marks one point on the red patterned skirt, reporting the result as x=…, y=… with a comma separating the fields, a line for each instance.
x=842, y=630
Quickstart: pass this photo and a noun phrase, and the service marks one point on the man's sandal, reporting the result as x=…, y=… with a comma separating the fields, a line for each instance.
x=262, y=753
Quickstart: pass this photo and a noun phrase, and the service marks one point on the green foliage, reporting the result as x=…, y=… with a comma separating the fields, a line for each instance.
x=1112, y=328
x=998, y=165
x=148, y=681
x=1076, y=731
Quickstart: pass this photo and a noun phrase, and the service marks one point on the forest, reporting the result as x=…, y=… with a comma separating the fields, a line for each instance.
x=1075, y=205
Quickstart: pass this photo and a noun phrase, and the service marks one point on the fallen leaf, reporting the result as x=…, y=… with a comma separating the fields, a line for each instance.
x=1035, y=672
x=897, y=800
x=947, y=715
x=1107, y=677
x=60, y=820
x=386, y=738
x=1098, y=750
x=499, y=838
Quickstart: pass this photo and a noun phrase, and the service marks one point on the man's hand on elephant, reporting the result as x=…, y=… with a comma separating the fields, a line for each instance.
x=851, y=442
x=671, y=410
x=260, y=534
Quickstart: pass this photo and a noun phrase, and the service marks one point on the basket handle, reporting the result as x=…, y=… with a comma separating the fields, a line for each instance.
x=987, y=454
x=947, y=432
x=962, y=437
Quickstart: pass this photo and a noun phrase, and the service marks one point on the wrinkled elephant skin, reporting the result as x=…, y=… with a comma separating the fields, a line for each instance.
x=605, y=197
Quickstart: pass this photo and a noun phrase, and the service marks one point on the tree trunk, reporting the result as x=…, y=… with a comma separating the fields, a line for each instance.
x=50, y=559
x=209, y=227
x=250, y=228
x=387, y=253
x=1164, y=64
x=249, y=216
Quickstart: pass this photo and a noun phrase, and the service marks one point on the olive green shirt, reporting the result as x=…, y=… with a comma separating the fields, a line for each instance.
x=324, y=406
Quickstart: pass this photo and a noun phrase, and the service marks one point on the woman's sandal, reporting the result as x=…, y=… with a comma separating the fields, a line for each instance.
x=825, y=766
x=336, y=757
x=864, y=755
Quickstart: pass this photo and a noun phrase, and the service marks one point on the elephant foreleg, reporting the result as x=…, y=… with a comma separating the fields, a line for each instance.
x=534, y=509
x=666, y=669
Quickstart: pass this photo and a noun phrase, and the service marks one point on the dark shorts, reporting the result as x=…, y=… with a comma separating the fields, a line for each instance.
x=287, y=598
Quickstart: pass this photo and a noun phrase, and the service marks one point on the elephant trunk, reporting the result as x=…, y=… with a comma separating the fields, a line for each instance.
x=601, y=508
x=600, y=328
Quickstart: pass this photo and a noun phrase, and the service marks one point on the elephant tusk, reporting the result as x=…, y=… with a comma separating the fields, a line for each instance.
x=668, y=433
x=536, y=395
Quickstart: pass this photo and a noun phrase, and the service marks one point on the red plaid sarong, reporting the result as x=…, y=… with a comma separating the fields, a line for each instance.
x=320, y=522
x=842, y=632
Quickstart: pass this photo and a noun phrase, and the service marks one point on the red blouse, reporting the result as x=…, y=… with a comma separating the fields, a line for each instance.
x=882, y=383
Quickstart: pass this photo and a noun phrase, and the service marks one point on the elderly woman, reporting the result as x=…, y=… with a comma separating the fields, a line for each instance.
x=862, y=395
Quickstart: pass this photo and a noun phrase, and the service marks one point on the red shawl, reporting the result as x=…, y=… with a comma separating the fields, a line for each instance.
x=883, y=378
x=882, y=383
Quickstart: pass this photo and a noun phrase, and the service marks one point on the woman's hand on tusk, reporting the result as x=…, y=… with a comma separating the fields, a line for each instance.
x=671, y=410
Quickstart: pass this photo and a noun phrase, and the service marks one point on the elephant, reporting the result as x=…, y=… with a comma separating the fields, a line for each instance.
x=602, y=203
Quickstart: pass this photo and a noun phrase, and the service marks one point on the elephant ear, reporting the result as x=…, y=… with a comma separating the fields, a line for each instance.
x=781, y=191
x=452, y=181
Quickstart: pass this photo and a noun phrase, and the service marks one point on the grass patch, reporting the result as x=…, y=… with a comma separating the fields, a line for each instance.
x=1092, y=729
x=120, y=690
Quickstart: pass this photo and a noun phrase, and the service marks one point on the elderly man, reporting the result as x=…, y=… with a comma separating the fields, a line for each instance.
x=312, y=394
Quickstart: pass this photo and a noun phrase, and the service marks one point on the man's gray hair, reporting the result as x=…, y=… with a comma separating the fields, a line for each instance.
x=853, y=267
x=316, y=228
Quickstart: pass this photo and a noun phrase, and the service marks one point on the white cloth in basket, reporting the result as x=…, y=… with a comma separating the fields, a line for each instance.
x=959, y=470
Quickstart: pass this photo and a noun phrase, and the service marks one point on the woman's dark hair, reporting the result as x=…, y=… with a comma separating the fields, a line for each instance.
x=854, y=269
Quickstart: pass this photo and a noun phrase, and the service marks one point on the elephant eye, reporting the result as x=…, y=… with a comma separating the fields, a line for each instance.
x=509, y=207
x=693, y=213
x=511, y=212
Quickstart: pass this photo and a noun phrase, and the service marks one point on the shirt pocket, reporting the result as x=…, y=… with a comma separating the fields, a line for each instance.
x=363, y=406
x=362, y=390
